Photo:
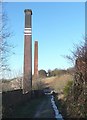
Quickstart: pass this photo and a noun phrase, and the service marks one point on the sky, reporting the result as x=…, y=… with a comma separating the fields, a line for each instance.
x=56, y=26
x=44, y=0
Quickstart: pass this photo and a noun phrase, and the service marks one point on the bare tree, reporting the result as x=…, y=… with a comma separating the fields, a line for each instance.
x=4, y=44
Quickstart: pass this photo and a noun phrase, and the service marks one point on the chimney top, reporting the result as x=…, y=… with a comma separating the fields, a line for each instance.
x=36, y=41
x=28, y=11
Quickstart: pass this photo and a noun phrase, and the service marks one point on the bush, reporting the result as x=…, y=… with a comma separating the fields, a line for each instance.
x=56, y=72
x=38, y=85
x=42, y=73
x=67, y=88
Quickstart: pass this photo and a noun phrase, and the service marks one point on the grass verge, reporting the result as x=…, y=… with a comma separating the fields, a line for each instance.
x=27, y=110
x=61, y=106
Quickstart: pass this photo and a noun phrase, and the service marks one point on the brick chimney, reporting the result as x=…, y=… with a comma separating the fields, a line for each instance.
x=27, y=79
x=36, y=59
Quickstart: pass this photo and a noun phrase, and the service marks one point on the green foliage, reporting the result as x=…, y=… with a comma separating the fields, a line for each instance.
x=67, y=88
x=42, y=73
x=56, y=72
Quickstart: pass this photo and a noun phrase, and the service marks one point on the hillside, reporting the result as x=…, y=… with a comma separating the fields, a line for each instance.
x=8, y=85
x=58, y=83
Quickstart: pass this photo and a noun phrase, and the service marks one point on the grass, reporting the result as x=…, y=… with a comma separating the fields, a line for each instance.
x=58, y=83
x=61, y=106
x=27, y=110
x=67, y=88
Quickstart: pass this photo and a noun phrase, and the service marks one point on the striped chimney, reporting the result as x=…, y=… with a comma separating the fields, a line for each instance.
x=27, y=79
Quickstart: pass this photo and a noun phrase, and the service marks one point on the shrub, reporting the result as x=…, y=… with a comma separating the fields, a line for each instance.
x=38, y=85
x=67, y=88
x=42, y=73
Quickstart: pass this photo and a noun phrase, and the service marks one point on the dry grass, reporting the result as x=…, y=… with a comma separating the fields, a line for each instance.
x=38, y=84
x=12, y=85
x=58, y=83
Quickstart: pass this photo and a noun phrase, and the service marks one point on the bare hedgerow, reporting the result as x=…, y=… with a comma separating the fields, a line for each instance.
x=78, y=91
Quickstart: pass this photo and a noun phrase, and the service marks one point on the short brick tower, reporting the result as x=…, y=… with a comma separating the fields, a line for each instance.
x=27, y=79
x=36, y=59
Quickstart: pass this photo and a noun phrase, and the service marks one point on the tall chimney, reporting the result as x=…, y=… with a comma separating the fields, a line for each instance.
x=27, y=79
x=36, y=59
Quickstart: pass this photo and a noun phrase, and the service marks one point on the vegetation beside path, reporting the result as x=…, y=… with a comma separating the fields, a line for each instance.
x=27, y=110
x=36, y=108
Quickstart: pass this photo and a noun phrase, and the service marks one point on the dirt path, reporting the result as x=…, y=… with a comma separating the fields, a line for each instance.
x=45, y=109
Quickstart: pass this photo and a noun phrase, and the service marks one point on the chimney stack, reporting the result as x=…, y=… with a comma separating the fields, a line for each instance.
x=27, y=79
x=36, y=59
